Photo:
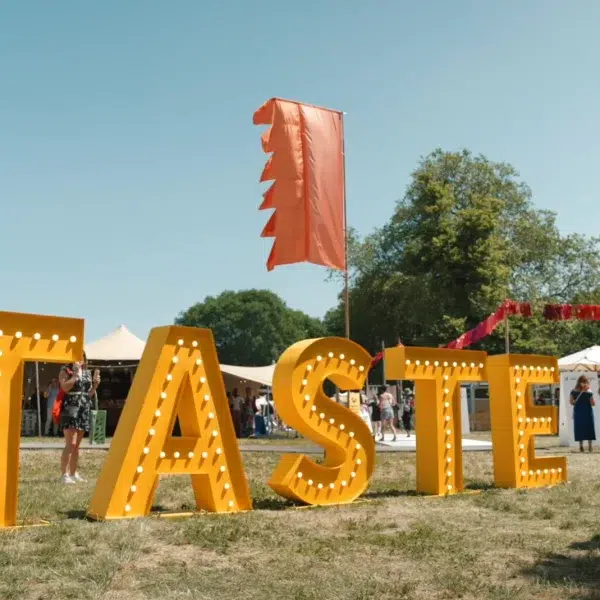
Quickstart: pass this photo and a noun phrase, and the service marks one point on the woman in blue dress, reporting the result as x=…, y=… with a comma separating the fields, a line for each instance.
x=583, y=415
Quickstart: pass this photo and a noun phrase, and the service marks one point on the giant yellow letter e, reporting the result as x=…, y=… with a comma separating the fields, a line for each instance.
x=516, y=422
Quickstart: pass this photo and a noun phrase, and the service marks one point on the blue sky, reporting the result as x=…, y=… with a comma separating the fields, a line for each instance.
x=129, y=164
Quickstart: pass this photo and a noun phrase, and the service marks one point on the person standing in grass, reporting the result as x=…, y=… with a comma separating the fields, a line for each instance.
x=583, y=402
x=375, y=417
x=79, y=388
x=407, y=410
x=386, y=407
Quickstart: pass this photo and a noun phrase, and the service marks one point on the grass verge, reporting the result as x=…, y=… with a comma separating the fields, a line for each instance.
x=497, y=544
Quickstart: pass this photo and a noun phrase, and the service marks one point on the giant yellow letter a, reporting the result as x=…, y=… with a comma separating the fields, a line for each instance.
x=300, y=401
x=178, y=375
x=26, y=338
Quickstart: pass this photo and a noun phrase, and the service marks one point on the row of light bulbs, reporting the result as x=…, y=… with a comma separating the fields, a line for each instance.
x=473, y=365
x=532, y=368
x=331, y=486
x=38, y=336
x=448, y=433
x=341, y=357
x=176, y=454
x=446, y=364
x=539, y=472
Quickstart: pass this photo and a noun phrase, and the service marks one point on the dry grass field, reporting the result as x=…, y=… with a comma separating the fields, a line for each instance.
x=494, y=544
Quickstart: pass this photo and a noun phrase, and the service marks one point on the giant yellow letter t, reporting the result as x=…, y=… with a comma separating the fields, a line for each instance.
x=438, y=374
x=26, y=338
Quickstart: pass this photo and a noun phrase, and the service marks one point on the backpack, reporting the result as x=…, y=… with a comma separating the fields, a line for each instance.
x=60, y=397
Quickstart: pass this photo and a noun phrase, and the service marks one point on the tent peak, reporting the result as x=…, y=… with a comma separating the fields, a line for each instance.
x=120, y=344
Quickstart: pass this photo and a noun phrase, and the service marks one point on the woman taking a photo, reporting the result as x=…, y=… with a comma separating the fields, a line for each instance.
x=582, y=401
x=79, y=388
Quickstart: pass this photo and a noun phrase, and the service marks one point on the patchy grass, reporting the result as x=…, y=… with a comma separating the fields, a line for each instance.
x=497, y=544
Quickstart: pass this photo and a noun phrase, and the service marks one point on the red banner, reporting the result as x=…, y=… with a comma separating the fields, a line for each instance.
x=486, y=327
x=552, y=312
x=566, y=312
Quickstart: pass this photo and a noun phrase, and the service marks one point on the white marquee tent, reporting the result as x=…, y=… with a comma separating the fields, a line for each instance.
x=584, y=360
x=123, y=346
x=571, y=368
x=120, y=345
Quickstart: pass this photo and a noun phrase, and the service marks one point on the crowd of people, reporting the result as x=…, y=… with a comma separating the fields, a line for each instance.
x=382, y=411
x=248, y=417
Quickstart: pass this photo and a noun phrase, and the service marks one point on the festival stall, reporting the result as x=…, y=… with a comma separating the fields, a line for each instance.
x=118, y=354
x=585, y=362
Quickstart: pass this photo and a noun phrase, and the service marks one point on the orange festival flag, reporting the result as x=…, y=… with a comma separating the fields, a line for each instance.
x=307, y=166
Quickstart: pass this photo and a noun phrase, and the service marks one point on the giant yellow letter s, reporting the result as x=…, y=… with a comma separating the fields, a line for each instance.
x=26, y=338
x=302, y=404
x=179, y=374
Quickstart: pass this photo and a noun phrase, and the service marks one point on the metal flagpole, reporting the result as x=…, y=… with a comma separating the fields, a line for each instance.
x=37, y=387
x=347, y=270
x=383, y=362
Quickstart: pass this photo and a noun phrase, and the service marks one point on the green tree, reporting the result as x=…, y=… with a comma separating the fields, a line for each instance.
x=251, y=327
x=465, y=236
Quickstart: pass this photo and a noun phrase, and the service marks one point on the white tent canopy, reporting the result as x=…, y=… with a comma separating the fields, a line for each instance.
x=122, y=345
x=584, y=360
x=262, y=375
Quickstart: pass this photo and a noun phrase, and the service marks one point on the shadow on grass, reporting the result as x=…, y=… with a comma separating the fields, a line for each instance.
x=590, y=545
x=273, y=504
x=390, y=493
x=480, y=485
x=578, y=574
x=77, y=515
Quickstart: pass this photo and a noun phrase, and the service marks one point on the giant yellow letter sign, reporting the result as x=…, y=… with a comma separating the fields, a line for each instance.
x=438, y=374
x=26, y=338
x=179, y=374
x=302, y=404
x=516, y=422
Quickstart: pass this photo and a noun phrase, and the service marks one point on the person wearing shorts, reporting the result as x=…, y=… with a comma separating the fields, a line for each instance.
x=386, y=407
